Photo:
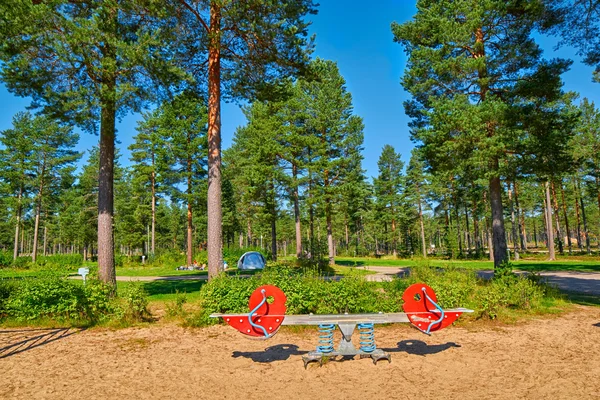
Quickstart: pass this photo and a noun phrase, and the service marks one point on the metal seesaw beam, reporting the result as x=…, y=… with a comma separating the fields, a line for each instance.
x=336, y=319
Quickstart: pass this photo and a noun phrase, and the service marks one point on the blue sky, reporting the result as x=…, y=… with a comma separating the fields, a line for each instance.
x=359, y=39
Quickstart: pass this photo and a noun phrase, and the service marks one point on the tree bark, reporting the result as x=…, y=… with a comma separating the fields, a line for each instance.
x=557, y=219
x=512, y=223
x=566, y=217
x=578, y=216
x=214, y=229
x=585, y=229
x=297, y=212
x=45, y=240
x=488, y=229
x=468, y=231
x=549, y=228
x=38, y=210
x=328, y=217
x=498, y=231
x=153, y=184
x=190, y=245
x=421, y=221
x=521, y=219
x=106, y=260
x=18, y=224
x=108, y=111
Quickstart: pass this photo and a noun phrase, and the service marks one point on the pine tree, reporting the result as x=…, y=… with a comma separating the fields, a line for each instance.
x=16, y=168
x=248, y=47
x=87, y=63
x=182, y=127
x=389, y=187
x=469, y=63
x=335, y=139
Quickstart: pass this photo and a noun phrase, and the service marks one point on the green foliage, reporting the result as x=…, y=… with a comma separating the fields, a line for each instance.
x=135, y=299
x=5, y=259
x=310, y=293
x=175, y=308
x=50, y=297
x=53, y=298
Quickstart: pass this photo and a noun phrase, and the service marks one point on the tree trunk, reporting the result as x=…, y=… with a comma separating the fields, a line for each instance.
x=274, y=233
x=248, y=232
x=521, y=219
x=458, y=230
x=153, y=237
x=557, y=218
x=297, y=212
x=214, y=229
x=35, y=233
x=498, y=231
x=328, y=217
x=585, y=229
x=488, y=228
x=513, y=224
x=598, y=193
x=273, y=210
x=421, y=222
x=106, y=259
x=565, y=216
x=468, y=232
x=190, y=245
x=549, y=228
x=18, y=224
x=45, y=240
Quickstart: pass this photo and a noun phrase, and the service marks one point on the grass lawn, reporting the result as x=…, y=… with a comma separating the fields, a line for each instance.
x=581, y=264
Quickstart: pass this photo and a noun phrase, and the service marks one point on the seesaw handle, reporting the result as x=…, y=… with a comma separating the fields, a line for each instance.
x=263, y=301
x=436, y=306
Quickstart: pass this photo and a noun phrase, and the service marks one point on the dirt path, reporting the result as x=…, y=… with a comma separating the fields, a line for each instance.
x=555, y=358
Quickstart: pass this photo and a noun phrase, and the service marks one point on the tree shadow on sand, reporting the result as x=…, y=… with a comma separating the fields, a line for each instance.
x=597, y=325
x=278, y=352
x=18, y=341
x=420, y=348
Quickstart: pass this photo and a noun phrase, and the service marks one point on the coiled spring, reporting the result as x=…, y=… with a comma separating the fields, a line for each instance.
x=367, y=337
x=325, y=338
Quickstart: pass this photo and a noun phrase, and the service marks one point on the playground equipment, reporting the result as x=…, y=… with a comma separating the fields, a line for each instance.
x=267, y=315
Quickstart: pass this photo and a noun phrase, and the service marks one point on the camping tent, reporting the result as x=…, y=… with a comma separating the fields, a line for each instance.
x=251, y=260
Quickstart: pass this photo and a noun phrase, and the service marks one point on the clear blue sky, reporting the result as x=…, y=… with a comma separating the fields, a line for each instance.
x=359, y=39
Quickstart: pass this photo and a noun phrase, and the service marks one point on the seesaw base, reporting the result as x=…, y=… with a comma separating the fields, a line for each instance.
x=346, y=348
x=316, y=356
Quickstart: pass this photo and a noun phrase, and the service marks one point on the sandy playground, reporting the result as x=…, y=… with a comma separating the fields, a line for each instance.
x=550, y=358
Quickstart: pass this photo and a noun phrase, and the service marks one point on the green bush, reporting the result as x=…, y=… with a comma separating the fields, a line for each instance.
x=7, y=288
x=60, y=260
x=6, y=259
x=54, y=298
x=136, y=303
x=50, y=297
x=22, y=262
x=306, y=293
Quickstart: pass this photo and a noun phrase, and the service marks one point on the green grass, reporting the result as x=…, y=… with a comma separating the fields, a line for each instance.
x=146, y=270
x=562, y=264
x=164, y=291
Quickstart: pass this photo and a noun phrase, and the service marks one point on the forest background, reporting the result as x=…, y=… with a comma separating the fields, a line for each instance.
x=379, y=216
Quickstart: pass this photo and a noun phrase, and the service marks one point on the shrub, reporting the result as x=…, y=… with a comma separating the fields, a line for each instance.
x=50, y=297
x=136, y=303
x=58, y=299
x=306, y=293
x=5, y=259
x=61, y=260
x=175, y=309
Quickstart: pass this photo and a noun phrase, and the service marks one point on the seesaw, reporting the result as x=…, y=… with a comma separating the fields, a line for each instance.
x=267, y=315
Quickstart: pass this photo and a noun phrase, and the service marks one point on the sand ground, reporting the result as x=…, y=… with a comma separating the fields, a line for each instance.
x=549, y=358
